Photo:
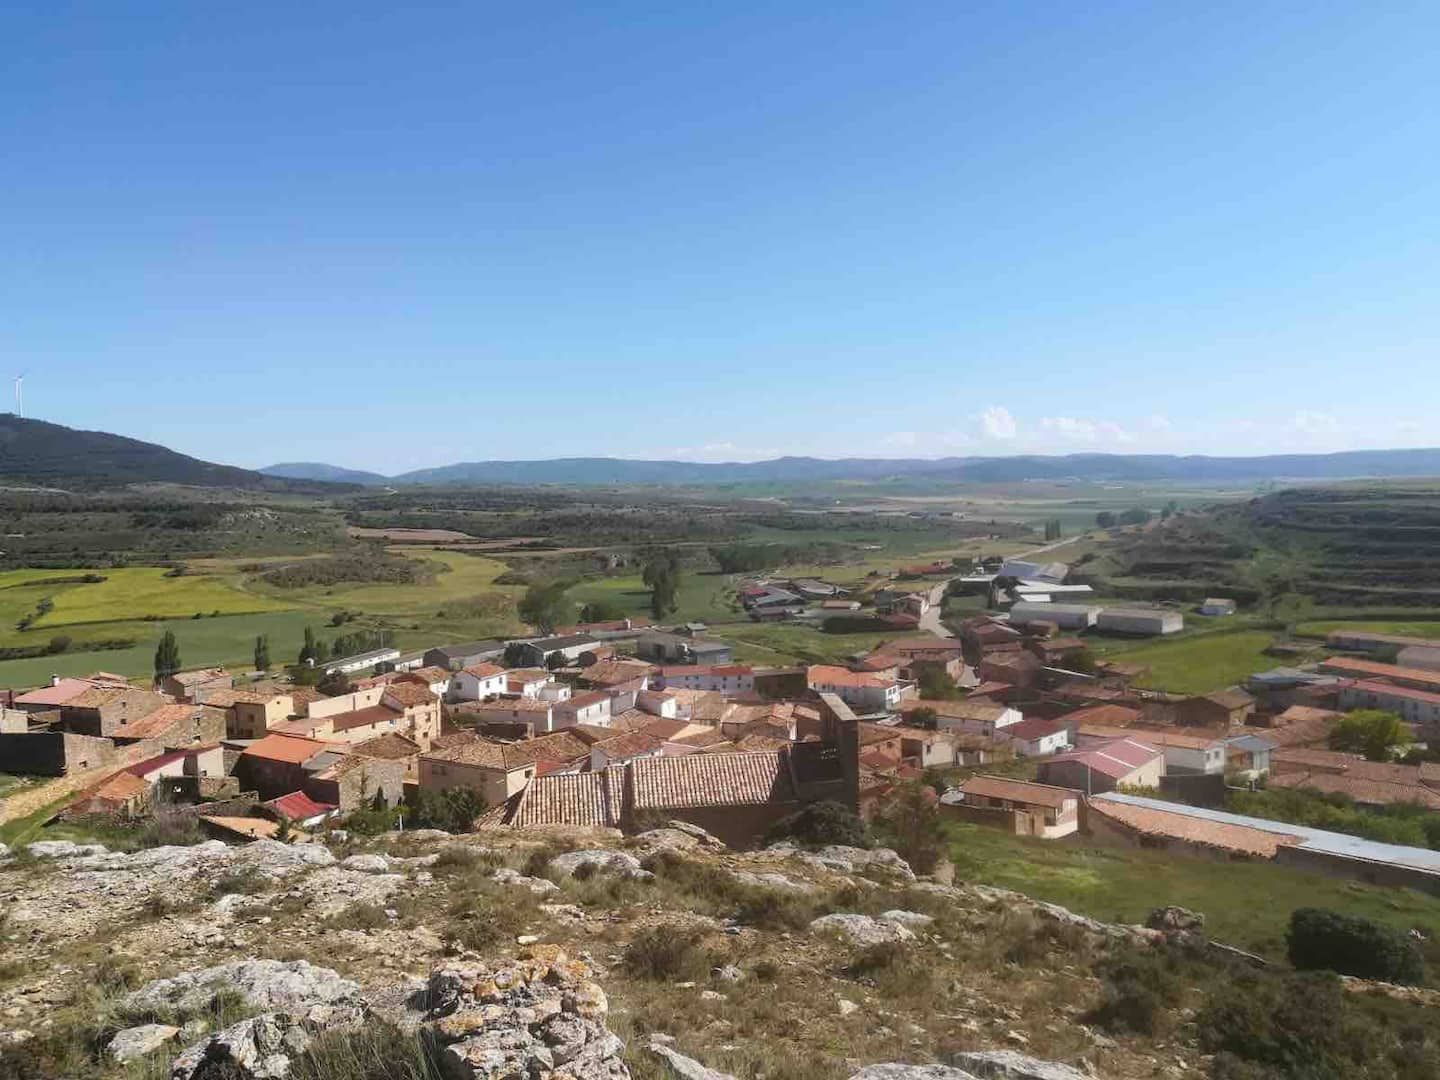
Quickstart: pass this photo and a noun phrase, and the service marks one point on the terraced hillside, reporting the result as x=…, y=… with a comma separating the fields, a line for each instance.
x=1361, y=545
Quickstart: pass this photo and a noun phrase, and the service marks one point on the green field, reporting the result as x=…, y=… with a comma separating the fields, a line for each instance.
x=1423, y=629
x=701, y=598
x=1245, y=903
x=1196, y=664
x=757, y=643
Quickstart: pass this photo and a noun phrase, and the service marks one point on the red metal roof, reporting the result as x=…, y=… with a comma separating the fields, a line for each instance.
x=297, y=806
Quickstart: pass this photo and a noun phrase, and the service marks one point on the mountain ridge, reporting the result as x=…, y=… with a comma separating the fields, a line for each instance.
x=1197, y=468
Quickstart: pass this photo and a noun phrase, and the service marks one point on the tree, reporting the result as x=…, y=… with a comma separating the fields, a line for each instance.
x=935, y=684
x=1052, y=529
x=661, y=576
x=925, y=717
x=1105, y=519
x=545, y=607
x=910, y=820
x=310, y=651
x=1136, y=515
x=335, y=684
x=514, y=654
x=819, y=824
x=602, y=611
x=262, y=652
x=555, y=661
x=167, y=656
x=1372, y=732
x=1170, y=510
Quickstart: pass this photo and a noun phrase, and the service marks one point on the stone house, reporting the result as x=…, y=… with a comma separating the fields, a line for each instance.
x=101, y=709
x=193, y=687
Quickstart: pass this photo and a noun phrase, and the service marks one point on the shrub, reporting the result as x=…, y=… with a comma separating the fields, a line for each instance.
x=894, y=969
x=667, y=953
x=1327, y=940
x=1138, y=991
x=377, y=1051
x=247, y=882
x=171, y=829
x=910, y=821
x=1302, y=1025
x=820, y=823
x=453, y=810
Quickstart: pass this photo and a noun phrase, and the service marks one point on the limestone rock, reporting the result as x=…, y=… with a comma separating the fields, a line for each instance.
x=1013, y=1065
x=136, y=1042
x=907, y=918
x=367, y=864
x=538, y=886
x=861, y=929
x=298, y=987
x=260, y=1048
x=911, y=1072
x=772, y=880
x=64, y=849
x=599, y=861
x=1175, y=919
x=681, y=1067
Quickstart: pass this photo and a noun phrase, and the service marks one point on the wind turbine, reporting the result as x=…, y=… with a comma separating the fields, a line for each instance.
x=19, y=394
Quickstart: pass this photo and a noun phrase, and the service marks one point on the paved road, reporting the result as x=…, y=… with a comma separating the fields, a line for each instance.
x=930, y=621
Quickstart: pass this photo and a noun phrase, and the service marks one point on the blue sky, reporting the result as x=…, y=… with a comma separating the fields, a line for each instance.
x=392, y=236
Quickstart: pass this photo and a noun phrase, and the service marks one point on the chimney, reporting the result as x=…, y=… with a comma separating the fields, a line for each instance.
x=54, y=680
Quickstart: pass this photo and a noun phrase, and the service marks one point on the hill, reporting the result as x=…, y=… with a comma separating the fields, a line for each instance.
x=35, y=452
x=1199, y=469
x=329, y=474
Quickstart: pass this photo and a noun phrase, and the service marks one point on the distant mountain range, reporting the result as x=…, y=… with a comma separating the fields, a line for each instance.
x=1086, y=467
x=35, y=453
x=38, y=453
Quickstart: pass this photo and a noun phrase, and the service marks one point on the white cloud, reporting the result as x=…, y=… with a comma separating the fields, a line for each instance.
x=901, y=440
x=1075, y=429
x=997, y=423
x=1157, y=423
x=1308, y=422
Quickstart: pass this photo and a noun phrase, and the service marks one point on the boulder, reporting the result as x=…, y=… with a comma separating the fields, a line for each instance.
x=861, y=929
x=136, y=1042
x=1013, y=1065
x=538, y=885
x=911, y=1072
x=274, y=859
x=911, y=919
x=599, y=861
x=299, y=988
x=680, y=1067
x=260, y=1048
x=64, y=849
x=1174, y=919
x=772, y=880
x=366, y=864
x=704, y=838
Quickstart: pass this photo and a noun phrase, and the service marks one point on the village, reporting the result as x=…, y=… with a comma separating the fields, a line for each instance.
x=1006, y=718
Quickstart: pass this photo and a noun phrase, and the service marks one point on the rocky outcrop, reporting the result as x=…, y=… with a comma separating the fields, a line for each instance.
x=260, y=1048
x=678, y=1065
x=1013, y=1065
x=911, y=1072
x=136, y=1042
x=538, y=885
x=367, y=864
x=846, y=860
x=914, y=920
x=771, y=880
x=540, y=1015
x=862, y=929
x=598, y=861
x=316, y=995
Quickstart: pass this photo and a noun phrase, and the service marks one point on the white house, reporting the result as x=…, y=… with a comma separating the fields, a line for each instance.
x=533, y=683
x=860, y=690
x=1036, y=737
x=1065, y=616
x=1139, y=620
x=658, y=703
x=349, y=665
x=592, y=707
x=726, y=678
x=1413, y=706
x=480, y=681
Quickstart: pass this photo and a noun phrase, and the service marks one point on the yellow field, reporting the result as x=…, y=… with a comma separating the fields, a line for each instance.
x=138, y=592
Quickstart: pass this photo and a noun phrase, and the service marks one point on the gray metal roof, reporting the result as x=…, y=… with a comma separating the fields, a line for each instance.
x=1331, y=843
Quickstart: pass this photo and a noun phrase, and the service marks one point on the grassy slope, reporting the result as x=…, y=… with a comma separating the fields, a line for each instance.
x=1245, y=903
x=1425, y=629
x=1200, y=663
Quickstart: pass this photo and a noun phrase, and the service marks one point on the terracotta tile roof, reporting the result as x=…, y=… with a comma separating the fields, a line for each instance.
x=702, y=738
x=297, y=806
x=1188, y=739
x=704, y=704
x=95, y=697
x=200, y=675
x=694, y=780
x=392, y=746
x=1314, y=758
x=59, y=694
x=509, y=705
x=1233, y=698
x=433, y=674
x=1160, y=823
x=1370, y=669
x=964, y=709
x=155, y=723
x=366, y=717
x=527, y=675
x=615, y=672
x=454, y=738
x=121, y=788
x=593, y=799
x=481, y=670
x=1374, y=686
x=559, y=747
x=1116, y=759
x=1020, y=791
x=409, y=694
x=1034, y=728
x=223, y=698
x=288, y=748
x=583, y=701
x=1297, y=714
x=629, y=744
x=590, y=734
x=875, y=734
x=828, y=675
x=1313, y=731
x=156, y=763
x=1371, y=792
x=1117, y=716
x=763, y=740
x=243, y=826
